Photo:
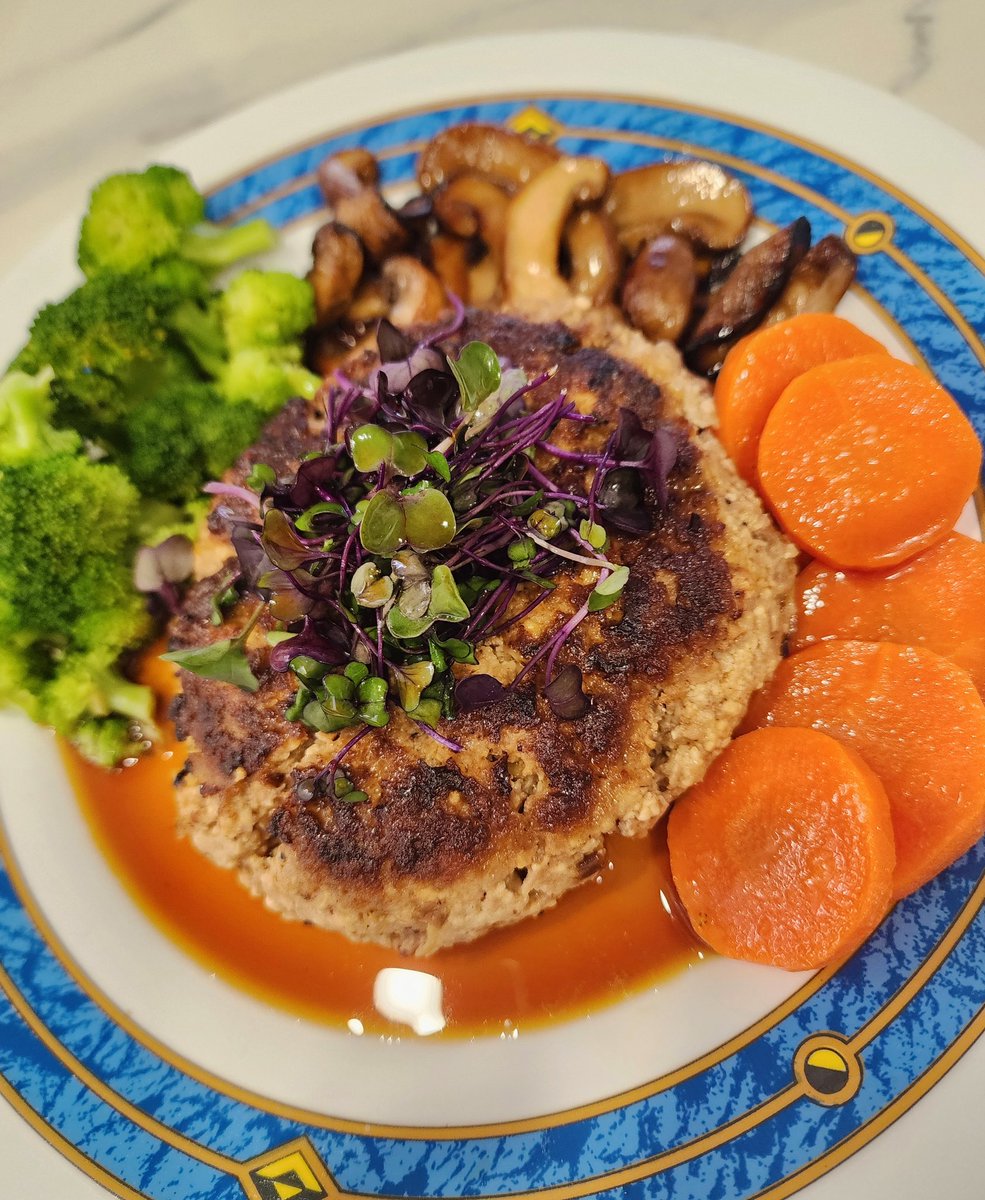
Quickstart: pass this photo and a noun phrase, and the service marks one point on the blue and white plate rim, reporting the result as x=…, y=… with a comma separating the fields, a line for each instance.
x=733, y=71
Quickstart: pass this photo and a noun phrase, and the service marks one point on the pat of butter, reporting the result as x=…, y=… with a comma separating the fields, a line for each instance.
x=410, y=998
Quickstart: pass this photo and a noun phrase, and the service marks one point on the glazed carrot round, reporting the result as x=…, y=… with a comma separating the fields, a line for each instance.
x=759, y=367
x=935, y=600
x=783, y=854
x=867, y=461
x=918, y=722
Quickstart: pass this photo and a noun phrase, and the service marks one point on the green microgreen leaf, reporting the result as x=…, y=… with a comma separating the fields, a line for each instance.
x=446, y=601
x=410, y=454
x=459, y=650
x=477, y=373
x=608, y=590
x=594, y=534
x=437, y=656
x=275, y=636
x=427, y=711
x=220, y=602
x=409, y=681
x=383, y=526
x=370, y=446
x=403, y=628
x=439, y=464
x=370, y=588
x=429, y=520
x=305, y=523
x=260, y=476
x=296, y=708
x=225, y=661
x=358, y=672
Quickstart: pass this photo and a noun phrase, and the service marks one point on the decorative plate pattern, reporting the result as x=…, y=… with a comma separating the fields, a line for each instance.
x=761, y=1116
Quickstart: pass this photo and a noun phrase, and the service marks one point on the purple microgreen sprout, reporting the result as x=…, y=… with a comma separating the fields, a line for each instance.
x=425, y=525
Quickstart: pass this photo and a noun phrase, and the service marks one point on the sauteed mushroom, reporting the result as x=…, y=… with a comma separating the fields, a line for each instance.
x=450, y=260
x=817, y=282
x=416, y=296
x=470, y=206
x=361, y=207
x=594, y=254
x=746, y=295
x=337, y=267
x=659, y=288
x=361, y=162
x=504, y=158
x=536, y=221
x=695, y=199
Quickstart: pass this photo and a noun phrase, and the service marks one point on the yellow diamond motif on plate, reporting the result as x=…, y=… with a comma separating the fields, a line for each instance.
x=292, y=1172
x=535, y=123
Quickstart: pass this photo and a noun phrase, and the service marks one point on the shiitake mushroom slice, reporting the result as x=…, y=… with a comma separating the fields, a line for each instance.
x=746, y=296
x=504, y=158
x=697, y=200
x=337, y=267
x=593, y=255
x=659, y=288
x=817, y=282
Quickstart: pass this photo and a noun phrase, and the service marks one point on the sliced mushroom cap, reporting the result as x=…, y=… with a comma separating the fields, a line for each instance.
x=371, y=301
x=697, y=200
x=485, y=281
x=361, y=207
x=451, y=260
x=336, y=269
x=416, y=296
x=360, y=162
x=470, y=206
x=507, y=159
x=536, y=221
x=817, y=282
x=329, y=345
x=659, y=288
x=746, y=296
x=594, y=254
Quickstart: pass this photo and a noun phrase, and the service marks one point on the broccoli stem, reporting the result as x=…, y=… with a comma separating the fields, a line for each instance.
x=215, y=247
x=201, y=335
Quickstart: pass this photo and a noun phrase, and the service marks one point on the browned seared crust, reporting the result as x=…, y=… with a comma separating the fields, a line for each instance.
x=452, y=845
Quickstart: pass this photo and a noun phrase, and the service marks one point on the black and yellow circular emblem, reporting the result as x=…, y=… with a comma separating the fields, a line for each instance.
x=870, y=232
x=827, y=1069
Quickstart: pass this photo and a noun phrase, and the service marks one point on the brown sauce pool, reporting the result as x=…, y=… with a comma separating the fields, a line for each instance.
x=613, y=936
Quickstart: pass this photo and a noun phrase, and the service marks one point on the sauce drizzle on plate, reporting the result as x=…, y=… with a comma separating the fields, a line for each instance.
x=616, y=935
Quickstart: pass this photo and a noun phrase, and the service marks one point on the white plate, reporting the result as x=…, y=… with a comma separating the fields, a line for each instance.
x=155, y=1078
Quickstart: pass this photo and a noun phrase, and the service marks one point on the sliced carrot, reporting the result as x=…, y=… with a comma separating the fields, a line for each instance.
x=918, y=722
x=783, y=854
x=933, y=600
x=759, y=367
x=867, y=461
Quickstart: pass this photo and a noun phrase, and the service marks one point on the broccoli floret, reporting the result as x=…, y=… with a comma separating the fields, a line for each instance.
x=247, y=338
x=89, y=685
x=25, y=418
x=66, y=540
x=183, y=436
x=267, y=378
x=107, y=741
x=67, y=605
x=107, y=343
x=135, y=220
x=266, y=308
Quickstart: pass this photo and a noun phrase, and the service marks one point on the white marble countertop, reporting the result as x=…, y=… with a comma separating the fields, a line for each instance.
x=92, y=87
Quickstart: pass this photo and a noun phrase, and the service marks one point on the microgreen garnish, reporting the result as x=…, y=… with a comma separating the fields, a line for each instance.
x=225, y=660
x=425, y=526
